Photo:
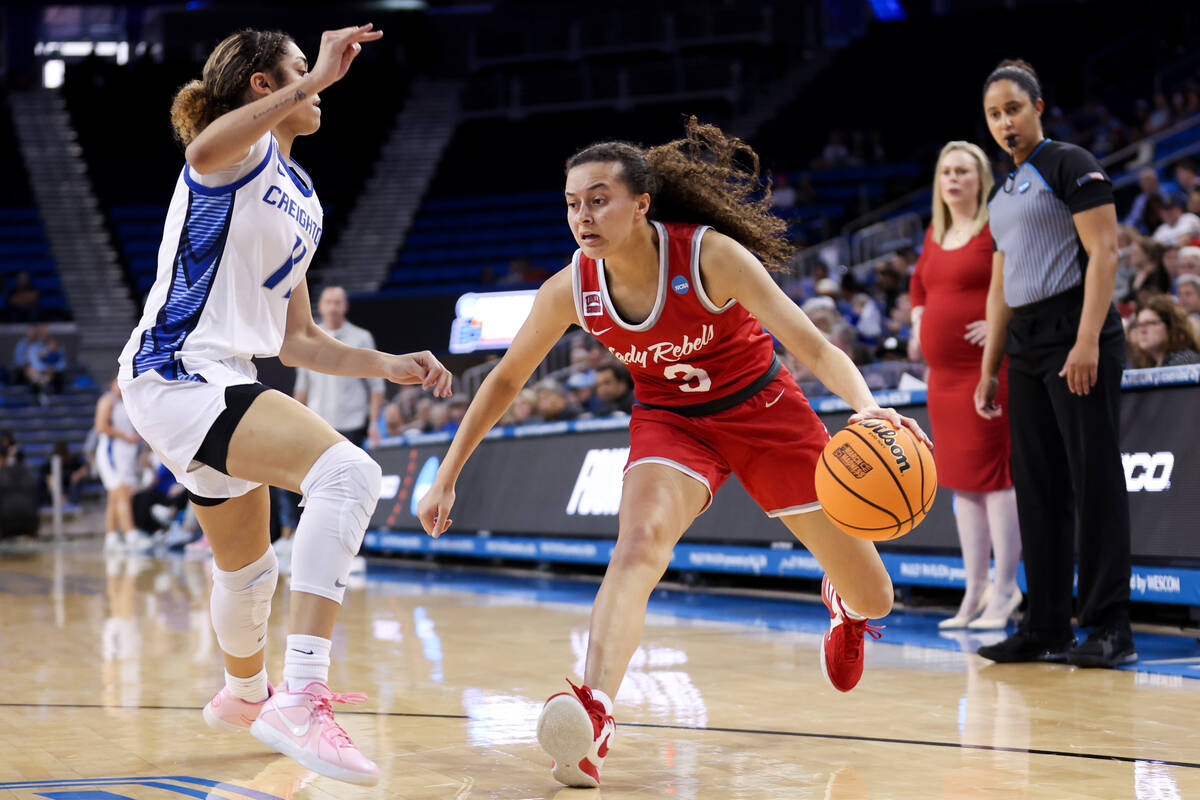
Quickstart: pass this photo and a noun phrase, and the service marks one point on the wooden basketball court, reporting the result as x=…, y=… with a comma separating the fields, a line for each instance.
x=108, y=662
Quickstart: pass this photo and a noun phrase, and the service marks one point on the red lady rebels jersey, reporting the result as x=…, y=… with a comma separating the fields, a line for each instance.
x=688, y=351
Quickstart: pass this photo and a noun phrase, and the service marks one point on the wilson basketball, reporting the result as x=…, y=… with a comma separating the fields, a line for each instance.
x=875, y=482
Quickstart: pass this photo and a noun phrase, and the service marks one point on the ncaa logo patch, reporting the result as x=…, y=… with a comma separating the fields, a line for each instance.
x=1024, y=187
x=679, y=284
x=592, y=307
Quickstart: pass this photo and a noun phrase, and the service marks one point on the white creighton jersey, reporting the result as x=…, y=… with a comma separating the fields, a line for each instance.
x=235, y=244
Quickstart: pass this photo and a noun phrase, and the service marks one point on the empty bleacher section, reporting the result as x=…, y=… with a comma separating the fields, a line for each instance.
x=23, y=245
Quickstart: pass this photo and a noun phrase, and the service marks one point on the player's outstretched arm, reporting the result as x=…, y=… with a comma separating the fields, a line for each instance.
x=306, y=345
x=228, y=139
x=730, y=270
x=553, y=312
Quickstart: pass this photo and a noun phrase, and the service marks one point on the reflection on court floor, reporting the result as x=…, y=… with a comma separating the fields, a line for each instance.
x=109, y=660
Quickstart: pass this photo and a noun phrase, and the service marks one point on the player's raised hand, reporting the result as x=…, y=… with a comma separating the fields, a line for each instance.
x=338, y=49
x=434, y=509
x=422, y=368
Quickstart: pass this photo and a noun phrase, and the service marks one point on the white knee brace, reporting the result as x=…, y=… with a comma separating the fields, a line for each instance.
x=241, y=605
x=340, y=493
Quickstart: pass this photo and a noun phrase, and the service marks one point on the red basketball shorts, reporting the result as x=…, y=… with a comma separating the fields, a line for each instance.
x=771, y=442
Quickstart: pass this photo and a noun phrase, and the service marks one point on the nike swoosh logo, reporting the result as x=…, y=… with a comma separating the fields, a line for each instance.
x=298, y=730
x=606, y=330
x=305, y=652
x=338, y=584
x=776, y=400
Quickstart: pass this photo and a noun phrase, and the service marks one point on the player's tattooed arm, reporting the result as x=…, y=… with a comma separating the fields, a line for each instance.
x=293, y=99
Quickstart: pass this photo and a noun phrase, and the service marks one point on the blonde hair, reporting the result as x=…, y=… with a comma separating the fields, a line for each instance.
x=225, y=80
x=941, y=212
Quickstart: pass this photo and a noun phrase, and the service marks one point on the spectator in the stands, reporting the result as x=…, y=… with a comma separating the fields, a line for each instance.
x=1149, y=275
x=1139, y=213
x=456, y=409
x=9, y=449
x=26, y=347
x=782, y=193
x=1187, y=293
x=1126, y=239
x=1193, y=203
x=1161, y=335
x=581, y=387
x=439, y=418
x=868, y=318
x=1185, y=176
x=522, y=271
x=553, y=405
x=834, y=154
x=73, y=473
x=44, y=372
x=1178, y=227
x=1160, y=116
x=393, y=420
x=889, y=284
x=1188, y=262
x=23, y=300
x=614, y=390
x=521, y=412
x=422, y=418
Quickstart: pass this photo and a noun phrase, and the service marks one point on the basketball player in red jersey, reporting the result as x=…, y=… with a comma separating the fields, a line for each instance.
x=683, y=306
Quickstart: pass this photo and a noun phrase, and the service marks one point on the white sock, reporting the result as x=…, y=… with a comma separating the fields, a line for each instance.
x=604, y=699
x=306, y=660
x=252, y=689
x=849, y=612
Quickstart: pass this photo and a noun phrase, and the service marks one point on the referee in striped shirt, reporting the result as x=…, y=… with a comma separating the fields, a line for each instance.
x=1050, y=308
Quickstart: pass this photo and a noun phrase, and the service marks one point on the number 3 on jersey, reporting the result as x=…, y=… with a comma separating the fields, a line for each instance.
x=688, y=373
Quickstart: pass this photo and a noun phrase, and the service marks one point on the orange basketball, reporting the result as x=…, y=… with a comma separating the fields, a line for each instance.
x=874, y=482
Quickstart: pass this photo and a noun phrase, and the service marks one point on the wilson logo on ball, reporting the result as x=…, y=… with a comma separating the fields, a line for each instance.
x=888, y=437
x=852, y=461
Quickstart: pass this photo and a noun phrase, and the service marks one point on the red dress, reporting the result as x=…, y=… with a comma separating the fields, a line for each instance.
x=971, y=453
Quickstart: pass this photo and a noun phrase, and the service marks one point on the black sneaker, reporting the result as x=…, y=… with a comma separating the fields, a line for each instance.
x=1024, y=646
x=1105, y=647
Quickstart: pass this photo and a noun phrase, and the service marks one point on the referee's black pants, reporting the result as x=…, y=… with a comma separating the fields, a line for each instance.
x=1067, y=471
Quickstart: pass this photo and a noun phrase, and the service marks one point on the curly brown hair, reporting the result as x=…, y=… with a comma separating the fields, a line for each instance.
x=1179, y=330
x=707, y=178
x=226, y=79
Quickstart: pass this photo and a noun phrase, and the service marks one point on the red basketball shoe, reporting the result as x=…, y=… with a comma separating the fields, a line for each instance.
x=576, y=731
x=842, y=651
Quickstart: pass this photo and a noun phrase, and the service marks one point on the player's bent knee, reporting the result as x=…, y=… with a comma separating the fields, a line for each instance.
x=348, y=478
x=644, y=543
x=241, y=605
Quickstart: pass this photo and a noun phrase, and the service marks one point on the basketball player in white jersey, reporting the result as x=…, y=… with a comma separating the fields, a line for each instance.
x=116, y=463
x=240, y=233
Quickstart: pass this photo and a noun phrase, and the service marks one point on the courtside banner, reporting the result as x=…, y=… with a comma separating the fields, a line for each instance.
x=565, y=479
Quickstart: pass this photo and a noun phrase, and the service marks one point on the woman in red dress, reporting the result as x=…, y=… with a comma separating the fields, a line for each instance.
x=666, y=279
x=949, y=296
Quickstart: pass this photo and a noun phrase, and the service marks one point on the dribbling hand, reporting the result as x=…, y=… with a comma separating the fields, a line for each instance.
x=434, y=509
x=893, y=418
x=338, y=49
x=421, y=368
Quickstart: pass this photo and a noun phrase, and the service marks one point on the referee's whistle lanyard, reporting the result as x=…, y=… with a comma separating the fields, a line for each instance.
x=1011, y=179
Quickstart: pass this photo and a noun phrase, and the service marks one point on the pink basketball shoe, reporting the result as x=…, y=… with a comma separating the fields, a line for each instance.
x=228, y=712
x=300, y=725
x=842, y=649
x=576, y=730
